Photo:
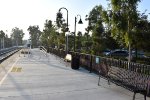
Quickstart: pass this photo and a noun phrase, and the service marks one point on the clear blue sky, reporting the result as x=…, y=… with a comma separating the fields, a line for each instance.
x=23, y=13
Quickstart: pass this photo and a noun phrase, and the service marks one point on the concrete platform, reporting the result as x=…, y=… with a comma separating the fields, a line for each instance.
x=41, y=76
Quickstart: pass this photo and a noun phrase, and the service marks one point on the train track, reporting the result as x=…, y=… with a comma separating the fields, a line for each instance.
x=5, y=53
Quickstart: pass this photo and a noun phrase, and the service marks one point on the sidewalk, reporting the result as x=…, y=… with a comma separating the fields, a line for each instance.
x=45, y=77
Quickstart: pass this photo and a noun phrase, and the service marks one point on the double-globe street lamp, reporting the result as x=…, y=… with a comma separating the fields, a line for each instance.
x=80, y=22
x=67, y=29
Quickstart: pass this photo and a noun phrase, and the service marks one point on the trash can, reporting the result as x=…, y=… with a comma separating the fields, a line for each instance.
x=75, y=62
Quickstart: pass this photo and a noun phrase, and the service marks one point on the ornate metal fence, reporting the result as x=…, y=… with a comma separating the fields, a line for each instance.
x=92, y=62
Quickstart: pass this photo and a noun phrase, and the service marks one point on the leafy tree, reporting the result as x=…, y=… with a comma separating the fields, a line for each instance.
x=2, y=34
x=49, y=36
x=2, y=39
x=110, y=42
x=79, y=41
x=100, y=27
x=17, y=36
x=62, y=25
x=86, y=43
x=60, y=22
x=93, y=17
x=8, y=41
x=141, y=33
x=5, y=42
x=97, y=28
x=35, y=34
x=123, y=20
x=70, y=41
x=98, y=43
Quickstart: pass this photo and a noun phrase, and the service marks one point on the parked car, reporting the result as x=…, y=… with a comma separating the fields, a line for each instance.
x=140, y=54
x=118, y=53
x=105, y=52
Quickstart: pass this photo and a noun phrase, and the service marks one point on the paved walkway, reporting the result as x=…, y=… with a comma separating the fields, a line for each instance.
x=41, y=76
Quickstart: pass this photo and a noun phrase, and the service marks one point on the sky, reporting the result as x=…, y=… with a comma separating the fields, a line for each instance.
x=25, y=13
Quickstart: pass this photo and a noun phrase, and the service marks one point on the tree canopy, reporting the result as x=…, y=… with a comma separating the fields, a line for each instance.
x=35, y=34
x=49, y=35
x=17, y=36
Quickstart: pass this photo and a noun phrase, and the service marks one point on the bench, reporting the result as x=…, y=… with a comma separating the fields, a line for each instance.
x=128, y=79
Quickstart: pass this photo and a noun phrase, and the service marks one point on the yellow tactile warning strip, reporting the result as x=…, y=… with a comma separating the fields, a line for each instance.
x=16, y=69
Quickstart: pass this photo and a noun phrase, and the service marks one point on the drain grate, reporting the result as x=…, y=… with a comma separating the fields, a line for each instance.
x=16, y=69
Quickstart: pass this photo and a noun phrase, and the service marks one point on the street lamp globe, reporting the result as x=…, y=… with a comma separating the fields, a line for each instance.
x=80, y=21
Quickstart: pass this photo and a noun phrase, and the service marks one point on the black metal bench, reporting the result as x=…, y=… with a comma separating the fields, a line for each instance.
x=131, y=80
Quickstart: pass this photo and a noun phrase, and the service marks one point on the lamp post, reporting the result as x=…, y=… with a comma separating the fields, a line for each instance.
x=67, y=40
x=80, y=22
x=67, y=29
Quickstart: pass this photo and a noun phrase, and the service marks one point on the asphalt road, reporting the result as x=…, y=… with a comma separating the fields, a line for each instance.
x=41, y=76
